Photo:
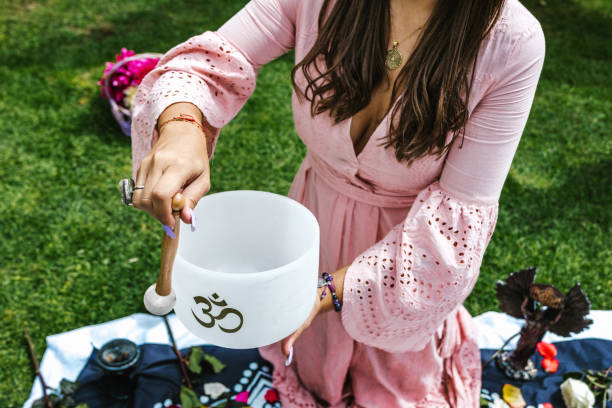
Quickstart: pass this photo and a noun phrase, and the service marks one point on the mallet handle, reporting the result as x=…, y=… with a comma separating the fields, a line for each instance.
x=168, y=249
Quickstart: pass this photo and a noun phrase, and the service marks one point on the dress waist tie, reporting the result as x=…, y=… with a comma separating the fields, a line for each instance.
x=363, y=192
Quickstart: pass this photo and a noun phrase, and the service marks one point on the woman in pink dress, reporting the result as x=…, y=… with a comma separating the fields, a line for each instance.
x=411, y=111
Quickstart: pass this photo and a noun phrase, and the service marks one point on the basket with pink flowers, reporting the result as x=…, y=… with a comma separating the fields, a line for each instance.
x=120, y=82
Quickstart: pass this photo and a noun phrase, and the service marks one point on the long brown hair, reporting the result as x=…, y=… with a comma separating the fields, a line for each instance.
x=433, y=87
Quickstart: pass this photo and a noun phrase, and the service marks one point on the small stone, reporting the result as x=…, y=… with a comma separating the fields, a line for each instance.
x=215, y=390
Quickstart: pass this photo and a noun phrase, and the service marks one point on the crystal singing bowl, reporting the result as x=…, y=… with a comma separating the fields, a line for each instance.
x=248, y=276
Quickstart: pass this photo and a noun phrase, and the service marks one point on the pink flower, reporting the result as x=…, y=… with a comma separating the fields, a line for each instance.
x=243, y=397
x=127, y=75
x=124, y=54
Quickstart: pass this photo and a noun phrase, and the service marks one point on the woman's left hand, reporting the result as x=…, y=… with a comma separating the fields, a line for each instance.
x=287, y=342
x=320, y=306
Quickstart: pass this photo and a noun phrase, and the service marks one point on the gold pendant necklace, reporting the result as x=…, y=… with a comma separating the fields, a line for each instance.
x=393, y=58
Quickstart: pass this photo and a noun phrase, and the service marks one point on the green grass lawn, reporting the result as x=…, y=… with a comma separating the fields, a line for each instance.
x=73, y=256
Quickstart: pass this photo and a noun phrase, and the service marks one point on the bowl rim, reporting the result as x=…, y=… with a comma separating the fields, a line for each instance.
x=271, y=273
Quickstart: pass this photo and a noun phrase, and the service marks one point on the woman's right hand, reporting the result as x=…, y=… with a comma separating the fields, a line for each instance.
x=178, y=161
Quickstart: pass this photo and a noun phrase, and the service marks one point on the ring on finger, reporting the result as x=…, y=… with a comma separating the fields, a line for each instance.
x=126, y=187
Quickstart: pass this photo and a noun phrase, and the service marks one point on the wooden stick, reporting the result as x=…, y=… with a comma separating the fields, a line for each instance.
x=168, y=249
x=36, y=367
x=178, y=353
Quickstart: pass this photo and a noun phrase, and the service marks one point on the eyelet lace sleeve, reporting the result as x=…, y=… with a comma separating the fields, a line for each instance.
x=216, y=71
x=205, y=70
x=398, y=292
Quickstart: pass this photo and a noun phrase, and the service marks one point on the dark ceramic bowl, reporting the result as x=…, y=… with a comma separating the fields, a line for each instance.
x=118, y=356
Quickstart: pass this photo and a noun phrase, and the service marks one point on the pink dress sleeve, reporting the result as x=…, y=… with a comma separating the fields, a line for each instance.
x=215, y=71
x=400, y=291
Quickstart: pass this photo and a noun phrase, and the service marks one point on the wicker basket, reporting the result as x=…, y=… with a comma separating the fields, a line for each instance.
x=122, y=115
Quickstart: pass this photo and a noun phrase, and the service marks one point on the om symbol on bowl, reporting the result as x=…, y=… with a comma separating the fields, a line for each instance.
x=211, y=320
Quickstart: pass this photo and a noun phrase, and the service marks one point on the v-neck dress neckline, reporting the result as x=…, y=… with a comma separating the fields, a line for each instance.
x=347, y=133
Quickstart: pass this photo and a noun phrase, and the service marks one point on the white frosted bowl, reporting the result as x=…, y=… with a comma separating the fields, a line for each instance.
x=247, y=277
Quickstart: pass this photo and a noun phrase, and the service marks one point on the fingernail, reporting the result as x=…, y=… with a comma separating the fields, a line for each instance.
x=290, y=358
x=194, y=221
x=169, y=232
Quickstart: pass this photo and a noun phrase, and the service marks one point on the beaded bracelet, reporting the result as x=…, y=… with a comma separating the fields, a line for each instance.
x=183, y=117
x=327, y=281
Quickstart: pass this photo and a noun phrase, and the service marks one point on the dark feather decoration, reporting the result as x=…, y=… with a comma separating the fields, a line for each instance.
x=514, y=290
x=544, y=308
x=576, y=307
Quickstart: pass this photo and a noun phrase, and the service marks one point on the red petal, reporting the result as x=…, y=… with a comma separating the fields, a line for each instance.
x=547, y=350
x=271, y=396
x=550, y=365
x=547, y=405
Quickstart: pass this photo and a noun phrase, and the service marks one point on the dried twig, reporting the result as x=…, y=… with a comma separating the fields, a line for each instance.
x=178, y=354
x=36, y=367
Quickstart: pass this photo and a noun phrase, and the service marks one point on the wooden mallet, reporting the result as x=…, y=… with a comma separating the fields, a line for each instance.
x=159, y=299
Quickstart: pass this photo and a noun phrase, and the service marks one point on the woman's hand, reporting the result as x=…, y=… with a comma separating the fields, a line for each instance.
x=178, y=161
x=287, y=342
x=320, y=306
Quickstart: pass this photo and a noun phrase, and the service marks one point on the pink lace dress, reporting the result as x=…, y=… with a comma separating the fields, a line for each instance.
x=414, y=235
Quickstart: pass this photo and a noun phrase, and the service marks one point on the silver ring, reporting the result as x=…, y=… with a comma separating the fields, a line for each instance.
x=138, y=187
x=126, y=187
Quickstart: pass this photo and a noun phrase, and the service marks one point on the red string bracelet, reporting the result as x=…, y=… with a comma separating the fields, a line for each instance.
x=183, y=117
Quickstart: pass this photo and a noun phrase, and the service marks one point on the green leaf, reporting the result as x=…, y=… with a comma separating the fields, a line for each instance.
x=185, y=398
x=215, y=363
x=188, y=398
x=82, y=406
x=195, y=358
x=68, y=401
x=68, y=387
x=55, y=399
x=39, y=403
